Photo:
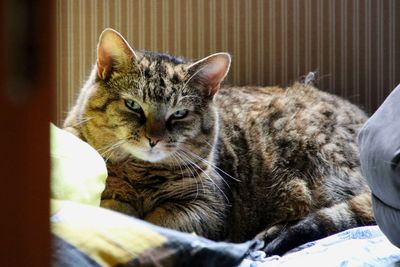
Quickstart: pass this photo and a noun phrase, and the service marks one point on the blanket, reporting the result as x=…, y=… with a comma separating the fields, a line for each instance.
x=85, y=235
x=362, y=246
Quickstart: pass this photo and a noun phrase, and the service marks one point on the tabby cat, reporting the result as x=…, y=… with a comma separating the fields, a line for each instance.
x=230, y=163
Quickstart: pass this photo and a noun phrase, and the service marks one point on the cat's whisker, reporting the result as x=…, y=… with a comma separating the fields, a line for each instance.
x=109, y=150
x=109, y=156
x=82, y=121
x=209, y=164
x=105, y=148
x=211, y=145
x=198, y=175
x=212, y=165
x=177, y=160
x=207, y=175
x=184, y=163
x=193, y=175
x=197, y=178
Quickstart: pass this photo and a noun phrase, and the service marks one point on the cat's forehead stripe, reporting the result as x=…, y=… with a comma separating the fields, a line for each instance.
x=170, y=68
x=161, y=77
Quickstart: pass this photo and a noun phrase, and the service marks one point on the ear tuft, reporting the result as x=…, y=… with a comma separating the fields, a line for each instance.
x=210, y=71
x=113, y=52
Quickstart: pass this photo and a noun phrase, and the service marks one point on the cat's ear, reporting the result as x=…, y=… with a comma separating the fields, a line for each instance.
x=113, y=52
x=209, y=72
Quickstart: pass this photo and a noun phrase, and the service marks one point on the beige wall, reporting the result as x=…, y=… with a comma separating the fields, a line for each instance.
x=354, y=44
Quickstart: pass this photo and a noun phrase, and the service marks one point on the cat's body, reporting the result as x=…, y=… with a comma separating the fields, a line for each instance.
x=293, y=150
x=228, y=165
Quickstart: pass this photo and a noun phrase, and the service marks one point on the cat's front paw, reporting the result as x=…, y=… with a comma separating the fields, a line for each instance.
x=274, y=240
x=277, y=246
x=269, y=234
x=281, y=239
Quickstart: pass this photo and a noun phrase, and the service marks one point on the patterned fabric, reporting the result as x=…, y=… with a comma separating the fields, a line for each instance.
x=363, y=246
x=91, y=236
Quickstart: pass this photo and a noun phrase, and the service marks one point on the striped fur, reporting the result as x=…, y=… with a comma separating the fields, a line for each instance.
x=279, y=164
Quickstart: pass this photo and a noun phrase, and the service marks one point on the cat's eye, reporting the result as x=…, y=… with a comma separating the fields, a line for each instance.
x=180, y=114
x=133, y=105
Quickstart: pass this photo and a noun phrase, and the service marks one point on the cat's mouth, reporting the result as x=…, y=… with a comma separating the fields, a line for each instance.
x=153, y=154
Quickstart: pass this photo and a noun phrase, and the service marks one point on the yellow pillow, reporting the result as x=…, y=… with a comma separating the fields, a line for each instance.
x=78, y=172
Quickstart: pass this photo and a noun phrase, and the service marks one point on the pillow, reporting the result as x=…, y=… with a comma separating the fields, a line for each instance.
x=78, y=172
x=379, y=142
x=92, y=236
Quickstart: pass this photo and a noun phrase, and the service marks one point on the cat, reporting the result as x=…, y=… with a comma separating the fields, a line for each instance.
x=228, y=163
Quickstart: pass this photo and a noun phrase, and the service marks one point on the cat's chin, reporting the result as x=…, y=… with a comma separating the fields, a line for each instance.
x=152, y=156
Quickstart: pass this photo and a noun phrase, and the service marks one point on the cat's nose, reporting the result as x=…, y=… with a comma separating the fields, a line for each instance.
x=154, y=131
x=153, y=142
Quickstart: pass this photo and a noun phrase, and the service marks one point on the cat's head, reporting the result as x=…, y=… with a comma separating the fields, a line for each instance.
x=151, y=105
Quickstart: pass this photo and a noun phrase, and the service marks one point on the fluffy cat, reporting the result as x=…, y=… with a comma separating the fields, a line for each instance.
x=229, y=163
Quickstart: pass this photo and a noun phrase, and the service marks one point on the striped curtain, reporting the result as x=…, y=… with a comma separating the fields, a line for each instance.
x=353, y=44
